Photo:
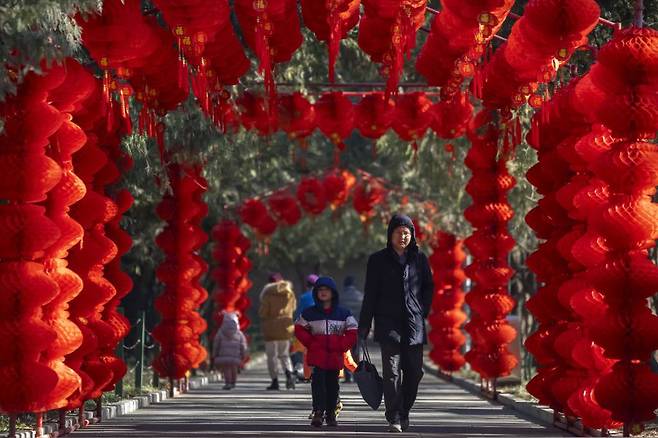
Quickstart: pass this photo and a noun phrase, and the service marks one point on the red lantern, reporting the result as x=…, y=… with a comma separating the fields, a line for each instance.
x=311, y=195
x=296, y=116
x=374, y=115
x=447, y=317
x=335, y=117
x=490, y=244
x=413, y=116
x=367, y=194
x=330, y=21
x=284, y=207
x=337, y=186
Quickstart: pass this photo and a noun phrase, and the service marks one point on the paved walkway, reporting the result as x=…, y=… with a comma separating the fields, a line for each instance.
x=248, y=410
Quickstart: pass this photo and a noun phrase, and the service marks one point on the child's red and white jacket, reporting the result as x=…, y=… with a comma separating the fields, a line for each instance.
x=326, y=333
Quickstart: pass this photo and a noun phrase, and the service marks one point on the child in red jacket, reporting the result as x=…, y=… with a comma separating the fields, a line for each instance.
x=327, y=331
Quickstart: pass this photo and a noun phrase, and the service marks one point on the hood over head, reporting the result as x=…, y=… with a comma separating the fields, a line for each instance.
x=401, y=220
x=327, y=282
x=230, y=323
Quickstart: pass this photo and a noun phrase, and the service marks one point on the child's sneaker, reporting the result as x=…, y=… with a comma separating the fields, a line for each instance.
x=331, y=420
x=318, y=416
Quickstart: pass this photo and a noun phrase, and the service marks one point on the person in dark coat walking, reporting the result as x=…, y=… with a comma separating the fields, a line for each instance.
x=398, y=296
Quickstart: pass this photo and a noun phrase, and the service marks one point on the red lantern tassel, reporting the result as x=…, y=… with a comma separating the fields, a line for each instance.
x=334, y=42
x=265, y=62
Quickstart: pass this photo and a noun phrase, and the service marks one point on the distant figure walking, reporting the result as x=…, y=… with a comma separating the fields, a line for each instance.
x=398, y=296
x=229, y=349
x=277, y=304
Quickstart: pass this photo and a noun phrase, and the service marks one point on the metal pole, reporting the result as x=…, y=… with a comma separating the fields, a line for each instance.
x=139, y=368
x=99, y=408
x=62, y=421
x=12, y=426
x=638, y=21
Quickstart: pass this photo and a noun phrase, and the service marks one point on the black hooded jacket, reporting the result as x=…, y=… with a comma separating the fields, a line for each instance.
x=398, y=293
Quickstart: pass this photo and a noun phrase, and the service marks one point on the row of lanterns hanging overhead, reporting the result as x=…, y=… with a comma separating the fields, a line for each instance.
x=313, y=196
x=336, y=115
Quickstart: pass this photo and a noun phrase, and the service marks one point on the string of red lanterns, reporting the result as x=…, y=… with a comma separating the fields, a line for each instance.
x=447, y=317
x=231, y=271
x=597, y=332
x=179, y=330
x=489, y=245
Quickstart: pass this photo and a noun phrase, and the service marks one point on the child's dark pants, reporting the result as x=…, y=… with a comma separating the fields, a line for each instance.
x=324, y=385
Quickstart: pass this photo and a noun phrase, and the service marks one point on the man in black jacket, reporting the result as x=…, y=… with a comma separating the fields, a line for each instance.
x=398, y=295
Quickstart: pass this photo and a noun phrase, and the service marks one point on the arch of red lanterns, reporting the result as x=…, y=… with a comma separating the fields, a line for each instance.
x=596, y=173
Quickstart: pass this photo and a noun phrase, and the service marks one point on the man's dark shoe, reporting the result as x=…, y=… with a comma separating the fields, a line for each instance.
x=394, y=427
x=404, y=423
x=331, y=420
x=318, y=416
x=274, y=386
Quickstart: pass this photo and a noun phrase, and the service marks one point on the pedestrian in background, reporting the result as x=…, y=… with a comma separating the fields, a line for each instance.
x=277, y=304
x=229, y=349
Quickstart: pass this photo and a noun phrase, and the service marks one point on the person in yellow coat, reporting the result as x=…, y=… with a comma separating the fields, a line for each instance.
x=277, y=304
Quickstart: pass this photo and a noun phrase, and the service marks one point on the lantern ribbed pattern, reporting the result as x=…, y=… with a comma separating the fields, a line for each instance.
x=232, y=270
x=35, y=282
x=457, y=40
x=181, y=325
x=548, y=33
x=387, y=33
x=447, y=317
x=623, y=219
x=489, y=245
x=569, y=361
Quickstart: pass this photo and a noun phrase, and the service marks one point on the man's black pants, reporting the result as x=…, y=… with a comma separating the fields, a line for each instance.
x=402, y=371
x=324, y=386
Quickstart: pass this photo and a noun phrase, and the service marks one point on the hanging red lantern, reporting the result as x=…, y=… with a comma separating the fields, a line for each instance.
x=296, y=116
x=271, y=29
x=451, y=117
x=330, y=21
x=447, y=317
x=335, y=117
x=413, y=116
x=233, y=266
x=366, y=195
x=311, y=195
x=387, y=33
x=284, y=207
x=179, y=330
x=489, y=214
x=337, y=186
x=374, y=115
x=255, y=113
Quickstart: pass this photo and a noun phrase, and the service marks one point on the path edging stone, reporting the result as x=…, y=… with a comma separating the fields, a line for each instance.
x=125, y=407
